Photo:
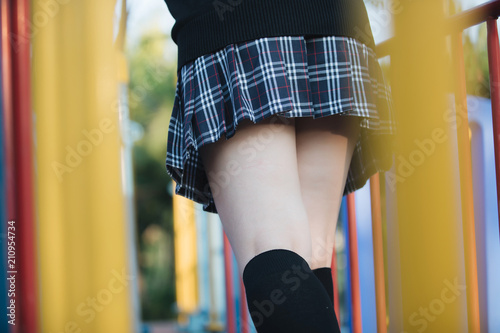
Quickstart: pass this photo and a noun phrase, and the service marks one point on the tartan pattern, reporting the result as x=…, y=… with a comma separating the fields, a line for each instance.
x=291, y=76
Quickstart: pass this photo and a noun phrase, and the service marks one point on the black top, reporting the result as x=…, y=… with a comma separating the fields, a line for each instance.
x=205, y=26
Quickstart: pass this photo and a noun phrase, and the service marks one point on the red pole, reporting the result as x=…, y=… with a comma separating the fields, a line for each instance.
x=494, y=64
x=24, y=166
x=243, y=308
x=336, y=303
x=353, y=264
x=20, y=43
x=8, y=108
x=228, y=272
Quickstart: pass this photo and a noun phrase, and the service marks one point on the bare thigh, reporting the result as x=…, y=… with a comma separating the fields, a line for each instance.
x=255, y=183
x=324, y=151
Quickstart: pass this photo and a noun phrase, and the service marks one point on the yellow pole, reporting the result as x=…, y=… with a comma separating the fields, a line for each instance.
x=378, y=253
x=431, y=272
x=186, y=261
x=85, y=280
x=467, y=191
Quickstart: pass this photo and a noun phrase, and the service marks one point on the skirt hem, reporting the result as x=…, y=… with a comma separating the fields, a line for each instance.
x=290, y=77
x=205, y=198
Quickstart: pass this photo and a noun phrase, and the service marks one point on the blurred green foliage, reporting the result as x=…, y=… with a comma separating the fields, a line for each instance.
x=151, y=94
x=477, y=75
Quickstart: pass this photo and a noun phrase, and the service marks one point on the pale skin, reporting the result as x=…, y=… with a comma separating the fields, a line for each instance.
x=287, y=191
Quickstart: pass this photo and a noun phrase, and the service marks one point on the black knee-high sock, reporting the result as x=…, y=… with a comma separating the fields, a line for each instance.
x=284, y=295
x=324, y=274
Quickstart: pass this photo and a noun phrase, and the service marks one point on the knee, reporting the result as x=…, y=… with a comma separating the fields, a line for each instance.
x=292, y=233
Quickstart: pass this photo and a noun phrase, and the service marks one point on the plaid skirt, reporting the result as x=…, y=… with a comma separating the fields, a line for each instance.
x=288, y=76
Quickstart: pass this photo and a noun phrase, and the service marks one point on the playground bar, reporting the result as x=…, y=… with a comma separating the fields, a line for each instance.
x=378, y=253
x=466, y=187
x=354, y=264
x=23, y=141
x=488, y=12
x=7, y=104
x=473, y=16
x=243, y=308
x=429, y=230
x=8, y=122
x=230, y=303
x=457, y=22
x=494, y=64
x=4, y=326
x=455, y=25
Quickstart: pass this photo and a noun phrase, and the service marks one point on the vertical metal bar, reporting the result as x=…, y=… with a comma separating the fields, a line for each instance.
x=23, y=138
x=186, y=260
x=127, y=162
x=81, y=212
x=467, y=194
x=336, y=303
x=8, y=128
x=353, y=263
x=215, y=267
x=243, y=308
x=347, y=299
x=8, y=122
x=378, y=253
x=494, y=64
x=228, y=271
x=429, y=230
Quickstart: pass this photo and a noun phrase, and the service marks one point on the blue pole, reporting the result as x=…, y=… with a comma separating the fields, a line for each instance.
x=365, y=257
x=347, y=295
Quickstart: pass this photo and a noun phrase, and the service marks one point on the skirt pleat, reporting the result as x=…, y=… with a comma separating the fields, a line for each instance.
x=288, y=76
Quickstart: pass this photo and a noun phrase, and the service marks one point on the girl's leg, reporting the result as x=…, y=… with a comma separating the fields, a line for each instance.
x=324, y=150
x=255, y=183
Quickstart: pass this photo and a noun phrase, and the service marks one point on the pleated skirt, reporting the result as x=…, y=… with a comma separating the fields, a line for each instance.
x=287, y=76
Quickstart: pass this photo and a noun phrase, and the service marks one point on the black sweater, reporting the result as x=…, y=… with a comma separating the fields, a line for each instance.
x=206, y=26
